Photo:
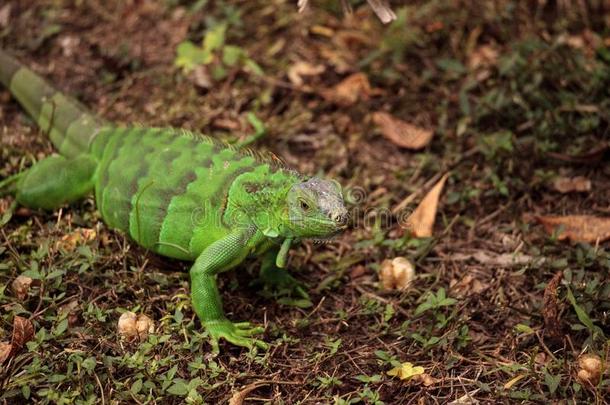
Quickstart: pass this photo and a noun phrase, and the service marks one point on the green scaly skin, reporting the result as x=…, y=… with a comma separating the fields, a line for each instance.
x=176, y=193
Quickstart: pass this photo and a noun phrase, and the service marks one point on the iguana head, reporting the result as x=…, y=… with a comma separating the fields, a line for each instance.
x=282, y=205
x=316, y=209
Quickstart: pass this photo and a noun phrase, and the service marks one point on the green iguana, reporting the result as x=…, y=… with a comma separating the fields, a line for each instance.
x=175, y=193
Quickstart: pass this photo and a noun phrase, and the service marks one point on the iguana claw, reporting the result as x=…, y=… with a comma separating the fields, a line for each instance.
x=238, y=334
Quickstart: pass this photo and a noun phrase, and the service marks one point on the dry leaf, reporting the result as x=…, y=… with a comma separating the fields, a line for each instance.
x=498, y=260
x=23, y=332
x=20, y=286
x=468, y=285
x=577, y=228
x=239, y=397
x=69, y=45
x=298, y=70
x=550, y=308
x=350, y=90
x=402, y=133
x=434, y=26
x=302, y=5
x=201, y=77
x=5, y=13
x=70, y=241
x=541, y=359
x=421, y=221
x=587, y=41
x=483, y=56
x=5, y=351
x=383, y=10
x=572, y=184
x=426, y=379
x=357, y=272
x=380, y=7
x=397, y=273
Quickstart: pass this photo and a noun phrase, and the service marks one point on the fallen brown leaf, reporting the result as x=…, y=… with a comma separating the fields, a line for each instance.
x=483, y=56
x=300, y=69
x=383, y=10
x=498, y=260
x=5, y=351
x=577, y=228
x=587, y=41
x=468, y=285
x=550, y=308
x=541, y=358
x=23, y=332
x=402, y=133
x=426, y=379
x=357, y=272
x=572, y=184
x=421, y=221
x=350, y=90
x=70, y=241
x=380, y=7
x=201, y=77
x=302, y=5
x=5, y=14
x=434, y=26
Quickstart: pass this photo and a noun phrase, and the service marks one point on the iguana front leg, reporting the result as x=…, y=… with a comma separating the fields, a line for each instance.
x=216, y=258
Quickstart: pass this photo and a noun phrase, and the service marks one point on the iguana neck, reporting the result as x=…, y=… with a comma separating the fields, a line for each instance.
x=259, y=197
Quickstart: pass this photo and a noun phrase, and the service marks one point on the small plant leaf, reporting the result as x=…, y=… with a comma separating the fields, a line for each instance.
x=406, y=371
x=583, y=317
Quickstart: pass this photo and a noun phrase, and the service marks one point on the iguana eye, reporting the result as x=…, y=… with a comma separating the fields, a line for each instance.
x=304, y=205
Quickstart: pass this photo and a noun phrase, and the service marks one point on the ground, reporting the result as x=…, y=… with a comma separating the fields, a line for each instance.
x=517, y=94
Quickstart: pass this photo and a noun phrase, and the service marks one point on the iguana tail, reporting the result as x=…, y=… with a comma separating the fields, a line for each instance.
x=69, y=125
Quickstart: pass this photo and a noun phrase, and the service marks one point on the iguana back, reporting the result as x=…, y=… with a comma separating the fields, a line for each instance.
x=168, y=189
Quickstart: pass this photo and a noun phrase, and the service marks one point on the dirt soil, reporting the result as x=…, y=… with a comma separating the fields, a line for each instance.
x=504, y=307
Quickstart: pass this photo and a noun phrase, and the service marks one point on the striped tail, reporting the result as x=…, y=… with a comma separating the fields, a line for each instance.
x=69, y=125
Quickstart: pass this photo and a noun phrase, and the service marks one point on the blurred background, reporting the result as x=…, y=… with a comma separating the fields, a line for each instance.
x=510, y=289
